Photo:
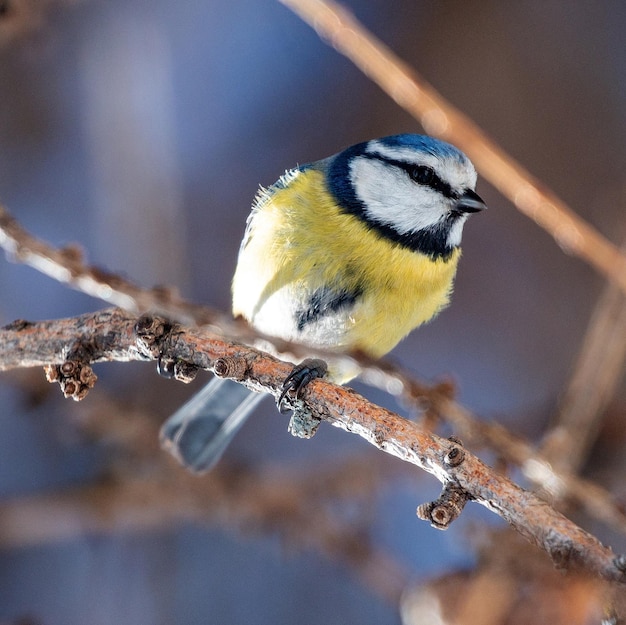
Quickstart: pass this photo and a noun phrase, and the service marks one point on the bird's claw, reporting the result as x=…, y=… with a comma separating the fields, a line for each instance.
x=301, y=375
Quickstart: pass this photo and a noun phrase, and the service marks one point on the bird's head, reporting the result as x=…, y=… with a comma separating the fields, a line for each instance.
x=412, y=189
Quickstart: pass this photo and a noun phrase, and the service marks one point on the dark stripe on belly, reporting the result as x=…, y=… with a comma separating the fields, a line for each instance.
x=323, y=302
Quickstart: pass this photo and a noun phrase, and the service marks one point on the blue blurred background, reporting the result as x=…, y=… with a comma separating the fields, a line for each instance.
x=141, y=130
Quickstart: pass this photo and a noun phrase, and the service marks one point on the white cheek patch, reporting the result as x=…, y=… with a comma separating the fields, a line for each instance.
x=390, y=197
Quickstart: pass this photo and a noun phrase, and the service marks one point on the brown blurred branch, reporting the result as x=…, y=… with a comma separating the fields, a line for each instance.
x=510, y=584
x=115, y=335
x=439, y=118
x=22, y=17
x=251, y=500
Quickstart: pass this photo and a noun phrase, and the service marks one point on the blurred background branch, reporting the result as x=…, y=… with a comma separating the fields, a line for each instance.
x=597, y=373
x=21, y=18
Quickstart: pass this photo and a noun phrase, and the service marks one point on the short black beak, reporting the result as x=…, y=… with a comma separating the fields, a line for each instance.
x=470, y=202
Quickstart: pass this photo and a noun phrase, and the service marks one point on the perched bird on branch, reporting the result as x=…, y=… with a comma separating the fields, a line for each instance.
x=347, y=253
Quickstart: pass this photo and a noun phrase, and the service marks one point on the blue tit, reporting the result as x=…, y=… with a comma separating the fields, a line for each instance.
x=351, y=252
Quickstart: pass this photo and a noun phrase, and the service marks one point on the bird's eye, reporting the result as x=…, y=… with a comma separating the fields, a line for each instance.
x=421, y=174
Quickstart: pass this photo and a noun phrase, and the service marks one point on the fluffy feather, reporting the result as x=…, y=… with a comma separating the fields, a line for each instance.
x=300, y=241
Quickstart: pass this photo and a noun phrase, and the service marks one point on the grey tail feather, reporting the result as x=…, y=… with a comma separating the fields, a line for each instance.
x=198, y=433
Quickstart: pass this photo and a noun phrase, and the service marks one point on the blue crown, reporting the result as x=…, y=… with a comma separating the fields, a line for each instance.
x=421, y=143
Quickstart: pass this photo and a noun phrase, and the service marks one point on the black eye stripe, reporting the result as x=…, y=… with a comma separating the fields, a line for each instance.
x=420, y=174
x=425, y=176
x=432, y=242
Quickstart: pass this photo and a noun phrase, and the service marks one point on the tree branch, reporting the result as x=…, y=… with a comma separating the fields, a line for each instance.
x=115, y=335
x=559, y=484
x=68, y=266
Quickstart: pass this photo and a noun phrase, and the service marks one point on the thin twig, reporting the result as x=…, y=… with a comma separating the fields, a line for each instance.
x=439, y=118
x=69, y=267
x=113, y=334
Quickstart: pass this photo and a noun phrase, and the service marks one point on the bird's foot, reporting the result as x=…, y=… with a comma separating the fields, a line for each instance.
x=303, y=424
x=301, y=375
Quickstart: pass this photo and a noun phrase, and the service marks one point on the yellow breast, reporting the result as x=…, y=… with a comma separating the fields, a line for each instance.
x=300, y=241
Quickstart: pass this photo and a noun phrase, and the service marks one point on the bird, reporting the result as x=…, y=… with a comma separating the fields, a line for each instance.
x=345, y=254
